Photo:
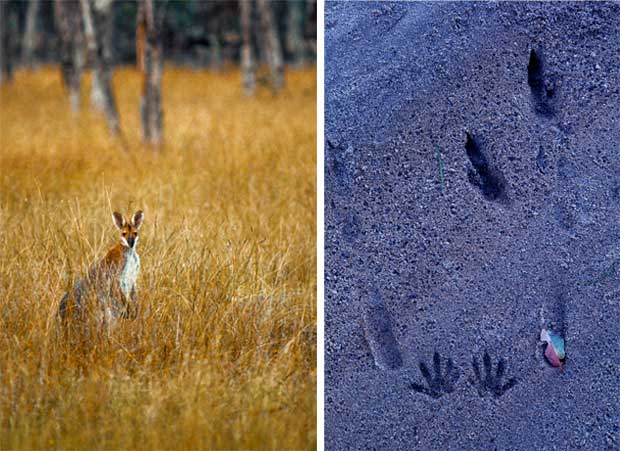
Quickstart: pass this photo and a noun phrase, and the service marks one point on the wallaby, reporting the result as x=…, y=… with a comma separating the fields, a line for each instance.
x=112, y=281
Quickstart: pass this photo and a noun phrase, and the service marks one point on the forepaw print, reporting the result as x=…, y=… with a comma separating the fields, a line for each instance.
x=491, y=382
x=438, y=383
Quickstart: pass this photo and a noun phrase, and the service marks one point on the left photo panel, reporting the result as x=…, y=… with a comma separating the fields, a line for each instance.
x=158, y=224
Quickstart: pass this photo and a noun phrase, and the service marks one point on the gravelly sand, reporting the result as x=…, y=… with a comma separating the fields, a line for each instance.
x=472, y=197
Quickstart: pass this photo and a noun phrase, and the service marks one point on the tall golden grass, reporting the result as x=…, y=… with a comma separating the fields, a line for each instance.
x=223, y=352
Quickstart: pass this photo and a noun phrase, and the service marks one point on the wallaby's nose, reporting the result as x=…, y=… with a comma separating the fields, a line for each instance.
x=131, y=240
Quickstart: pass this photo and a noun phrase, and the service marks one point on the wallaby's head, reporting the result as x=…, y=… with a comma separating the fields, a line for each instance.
x=128, y=229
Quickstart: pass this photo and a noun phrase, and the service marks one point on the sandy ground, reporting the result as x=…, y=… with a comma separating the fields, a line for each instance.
x=472, y=198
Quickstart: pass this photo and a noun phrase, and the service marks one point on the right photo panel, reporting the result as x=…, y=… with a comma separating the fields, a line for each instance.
x=472, y=225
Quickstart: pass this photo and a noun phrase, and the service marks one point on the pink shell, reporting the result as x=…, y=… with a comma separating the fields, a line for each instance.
x=552, y=357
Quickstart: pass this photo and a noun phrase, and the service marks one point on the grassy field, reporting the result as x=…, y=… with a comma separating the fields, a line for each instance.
x=223, y=352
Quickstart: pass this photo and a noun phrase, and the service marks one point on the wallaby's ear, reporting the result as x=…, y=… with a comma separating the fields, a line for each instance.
x=119, y=220
x=137, y=218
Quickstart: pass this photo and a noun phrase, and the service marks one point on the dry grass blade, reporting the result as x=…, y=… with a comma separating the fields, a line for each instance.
x=223, y=352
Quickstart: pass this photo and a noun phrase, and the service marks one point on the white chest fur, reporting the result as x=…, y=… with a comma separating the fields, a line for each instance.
x=130, y=272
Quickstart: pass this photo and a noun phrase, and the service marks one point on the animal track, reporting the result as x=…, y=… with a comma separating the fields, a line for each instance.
x=440, y=383
x=490, y=181
x=351, y=228
x=557, y=313
x=565, y=215
x=541, y=160
x=542, y=88
x=490, y=383
x=341, y=165
x=379, y=334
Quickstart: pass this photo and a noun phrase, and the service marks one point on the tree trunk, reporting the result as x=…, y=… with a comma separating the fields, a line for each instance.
x=247, y=59
x=30, y=40
x=273, y=50
x=6, y=66
x=68, y=23
x=103, y=25
x=150, y=58
x=294, y=32
x=102, y=95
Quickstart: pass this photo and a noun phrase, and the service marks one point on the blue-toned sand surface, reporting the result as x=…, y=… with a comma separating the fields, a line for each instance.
x=472, y=198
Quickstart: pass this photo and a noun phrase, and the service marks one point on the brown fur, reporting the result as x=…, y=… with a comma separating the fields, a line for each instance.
x=104, y=278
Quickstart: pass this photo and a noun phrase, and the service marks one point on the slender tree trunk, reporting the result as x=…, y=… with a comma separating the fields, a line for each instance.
x=150, y=59
x=102, y=96
x=247, y=58
x=30, y=39
x=273, y=50
x=103, y=25
x=294, y=32
x=6, y=66
x=106, y=10
x=68, y=23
